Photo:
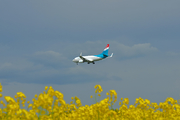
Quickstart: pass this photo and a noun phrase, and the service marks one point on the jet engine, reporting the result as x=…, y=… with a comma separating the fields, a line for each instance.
x=81, y=61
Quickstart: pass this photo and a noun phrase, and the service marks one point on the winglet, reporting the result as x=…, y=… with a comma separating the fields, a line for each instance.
x=81, y=54
x=111, y=55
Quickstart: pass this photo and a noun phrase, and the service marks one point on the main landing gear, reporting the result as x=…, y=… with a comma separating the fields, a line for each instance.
x=92, y=62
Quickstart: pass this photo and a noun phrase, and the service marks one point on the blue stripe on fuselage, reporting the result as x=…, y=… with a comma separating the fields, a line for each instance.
x=101, y=56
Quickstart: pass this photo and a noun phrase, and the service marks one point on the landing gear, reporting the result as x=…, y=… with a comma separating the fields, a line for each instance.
x=92, y=62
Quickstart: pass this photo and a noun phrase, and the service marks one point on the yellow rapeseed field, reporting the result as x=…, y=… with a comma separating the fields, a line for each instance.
x=50, y=105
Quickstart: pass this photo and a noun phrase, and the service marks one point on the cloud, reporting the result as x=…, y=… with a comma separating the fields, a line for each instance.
x=51, y=55
x=122, y=51
x=173, y=54
x=5, y=65
x=50, y=59
x=78, y=69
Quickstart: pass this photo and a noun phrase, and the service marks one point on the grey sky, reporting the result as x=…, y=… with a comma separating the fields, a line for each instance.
x=39, y=39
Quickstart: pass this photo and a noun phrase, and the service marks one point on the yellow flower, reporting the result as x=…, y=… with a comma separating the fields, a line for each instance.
x=1, y=89
x=20, y=94
x=30, y=105
x=15, y=96
x=78, y=101
x=35, y=95
x=95, y=86
x=21, y=98
x=98, y=88
x=147, y=101
x=1, y=95
x=126, y=101
x=7, y=98
x=51, y=106
x=51, y=91
x=46, y=87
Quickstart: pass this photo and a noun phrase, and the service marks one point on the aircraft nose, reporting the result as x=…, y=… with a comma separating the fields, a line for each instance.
x=73, y=60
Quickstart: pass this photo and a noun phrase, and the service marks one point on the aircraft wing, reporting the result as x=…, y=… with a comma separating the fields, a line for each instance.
x=85, y=59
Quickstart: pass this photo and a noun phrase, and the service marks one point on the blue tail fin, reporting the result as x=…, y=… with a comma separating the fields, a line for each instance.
x=105, y=52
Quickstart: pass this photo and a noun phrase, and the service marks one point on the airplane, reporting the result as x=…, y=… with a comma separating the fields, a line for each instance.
x=92, y=58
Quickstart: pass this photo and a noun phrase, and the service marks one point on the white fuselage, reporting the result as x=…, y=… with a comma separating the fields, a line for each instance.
x=90, y=57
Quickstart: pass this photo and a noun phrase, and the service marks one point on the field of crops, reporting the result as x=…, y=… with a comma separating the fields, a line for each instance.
x=50, y=105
